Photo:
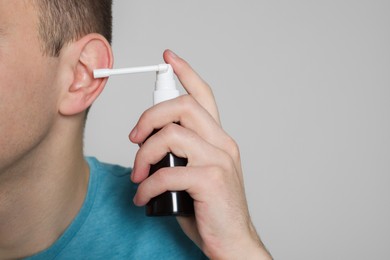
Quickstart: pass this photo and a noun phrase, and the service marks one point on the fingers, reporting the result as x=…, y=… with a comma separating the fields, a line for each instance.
x=193, y=83
x=184, y=109
x=189, y=113
x=180, y=141
x=174, y=179
x=201, y=182
x=192, y=112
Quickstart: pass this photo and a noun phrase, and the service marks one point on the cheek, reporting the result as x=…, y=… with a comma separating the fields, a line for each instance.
x=28, y=102
x=27, y=107
x=26, y=87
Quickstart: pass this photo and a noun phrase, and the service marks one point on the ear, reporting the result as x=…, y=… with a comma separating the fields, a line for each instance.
x=82, y=57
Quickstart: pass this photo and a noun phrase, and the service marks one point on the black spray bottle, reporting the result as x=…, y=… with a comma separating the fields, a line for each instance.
x=169, y=203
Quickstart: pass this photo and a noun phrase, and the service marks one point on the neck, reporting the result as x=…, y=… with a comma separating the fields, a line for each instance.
x=41, y=193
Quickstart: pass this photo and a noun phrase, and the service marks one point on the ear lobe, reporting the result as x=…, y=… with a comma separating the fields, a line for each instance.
x=89, y=53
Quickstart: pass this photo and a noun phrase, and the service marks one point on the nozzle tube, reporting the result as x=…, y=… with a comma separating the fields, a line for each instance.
x=104, y=73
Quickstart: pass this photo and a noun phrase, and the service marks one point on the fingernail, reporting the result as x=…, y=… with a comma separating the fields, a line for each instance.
x=172, y=54
x=136, y=201
x=132, y=174
x=133, y=133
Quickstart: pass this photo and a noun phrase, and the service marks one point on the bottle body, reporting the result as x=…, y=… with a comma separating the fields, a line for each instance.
x=170, y=203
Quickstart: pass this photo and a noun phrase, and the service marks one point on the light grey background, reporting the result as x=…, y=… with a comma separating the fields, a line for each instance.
x=303, y=87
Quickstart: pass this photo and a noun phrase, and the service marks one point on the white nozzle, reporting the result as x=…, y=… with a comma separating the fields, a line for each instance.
x=104, y=73
x=165, y=87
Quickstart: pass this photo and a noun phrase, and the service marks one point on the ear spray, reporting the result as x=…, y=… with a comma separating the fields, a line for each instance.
x=169, y=203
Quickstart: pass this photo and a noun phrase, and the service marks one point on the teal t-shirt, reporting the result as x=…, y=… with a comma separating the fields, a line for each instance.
x=110, y=226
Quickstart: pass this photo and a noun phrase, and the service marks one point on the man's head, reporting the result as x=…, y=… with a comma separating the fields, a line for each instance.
x=48, y=51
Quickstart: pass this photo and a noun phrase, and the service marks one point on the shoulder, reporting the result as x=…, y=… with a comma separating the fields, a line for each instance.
x=110, y=226
x=119, y=224
x=112, y=170
x=110, y=177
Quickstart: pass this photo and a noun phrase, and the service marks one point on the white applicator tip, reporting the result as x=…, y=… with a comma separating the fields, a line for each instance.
x=104, y=73
x=101, y=73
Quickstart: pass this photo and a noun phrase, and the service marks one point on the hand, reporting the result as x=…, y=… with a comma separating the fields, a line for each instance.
x=222, y=227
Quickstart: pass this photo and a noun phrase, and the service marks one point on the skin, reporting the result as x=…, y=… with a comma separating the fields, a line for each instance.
x=43, y=174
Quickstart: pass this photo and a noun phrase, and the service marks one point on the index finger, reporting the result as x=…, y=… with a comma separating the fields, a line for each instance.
x=193, y=83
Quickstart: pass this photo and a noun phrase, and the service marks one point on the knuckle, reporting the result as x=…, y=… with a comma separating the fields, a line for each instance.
x=171, y=131
x=171, y=127
x=186, y=103
x=216, y=175
x=228, y=164
x=232, y=148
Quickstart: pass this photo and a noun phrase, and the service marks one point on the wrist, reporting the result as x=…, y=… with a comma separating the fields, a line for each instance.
x=255, y=250
x=246, y=247
x=254, y=247
x=258, y=253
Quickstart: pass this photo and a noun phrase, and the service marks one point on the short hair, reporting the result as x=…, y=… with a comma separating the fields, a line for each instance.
x=63, y=21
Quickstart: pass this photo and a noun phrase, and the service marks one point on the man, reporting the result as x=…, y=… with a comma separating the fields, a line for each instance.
x=54, y=203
